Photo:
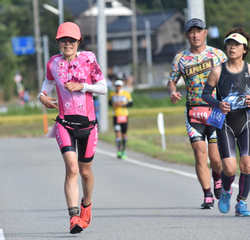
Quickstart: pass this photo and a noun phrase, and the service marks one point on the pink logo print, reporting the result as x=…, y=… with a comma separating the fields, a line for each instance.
x=209, y=55
x=189, y=58
x=67, y=104
x=190, y=134
x=80, y=106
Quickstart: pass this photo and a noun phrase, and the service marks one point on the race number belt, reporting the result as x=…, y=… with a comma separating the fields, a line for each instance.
x=199, y=114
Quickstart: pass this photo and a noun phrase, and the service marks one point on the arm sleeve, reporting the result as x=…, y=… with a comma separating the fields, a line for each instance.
x=110, y=99
x=129, y=104
x=99, y=87
x=48, y=86
x=206, y=96
x=130, y=100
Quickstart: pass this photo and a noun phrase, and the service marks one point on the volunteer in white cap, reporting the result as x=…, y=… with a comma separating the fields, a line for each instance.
x=120, y=100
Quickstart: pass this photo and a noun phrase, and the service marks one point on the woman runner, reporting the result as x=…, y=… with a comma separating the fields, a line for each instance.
x=77, y=76
x=232, y=81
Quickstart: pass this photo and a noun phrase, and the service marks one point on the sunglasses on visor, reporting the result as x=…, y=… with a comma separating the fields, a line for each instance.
x=65, y=39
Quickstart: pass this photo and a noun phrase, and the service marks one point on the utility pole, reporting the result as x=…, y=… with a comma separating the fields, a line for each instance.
x=45, y=50
x=134, y=41
x=92, y=27
x=196, y=9
x=40, y=72
x=149, y=52
x=61, y=14
x=102, y=60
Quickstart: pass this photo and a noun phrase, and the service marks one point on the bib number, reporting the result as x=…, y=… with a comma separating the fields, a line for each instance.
x=199, y=114
x=121, y=119
x=216, y=118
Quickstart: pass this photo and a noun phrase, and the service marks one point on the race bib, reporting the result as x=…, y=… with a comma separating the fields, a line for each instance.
x=216, y=118
x=121, y=119
x=199, y=114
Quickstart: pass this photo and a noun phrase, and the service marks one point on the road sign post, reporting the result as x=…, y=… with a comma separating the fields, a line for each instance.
x=160, y=122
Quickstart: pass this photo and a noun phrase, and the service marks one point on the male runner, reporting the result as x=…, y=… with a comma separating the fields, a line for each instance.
x=194, y=65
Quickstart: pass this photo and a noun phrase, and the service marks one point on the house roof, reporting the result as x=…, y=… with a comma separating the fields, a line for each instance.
x=76, y=7
x=123, y=23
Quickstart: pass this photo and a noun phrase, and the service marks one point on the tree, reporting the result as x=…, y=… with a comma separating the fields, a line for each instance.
x=11, y=18
x=160, y=5
x=16, y=19
x=226, y=15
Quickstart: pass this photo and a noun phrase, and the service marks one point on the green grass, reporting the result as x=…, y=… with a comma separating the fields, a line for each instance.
x=142, y=101
x=22, y=110
x=144, y=136
x=143, y=133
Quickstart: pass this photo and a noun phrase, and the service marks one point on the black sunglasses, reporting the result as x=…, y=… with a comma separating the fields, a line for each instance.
x=65, y=39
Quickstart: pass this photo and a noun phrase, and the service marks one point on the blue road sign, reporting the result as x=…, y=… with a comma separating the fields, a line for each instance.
x=23, y=45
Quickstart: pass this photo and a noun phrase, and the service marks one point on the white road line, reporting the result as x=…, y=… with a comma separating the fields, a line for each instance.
x=156, y=167
x=1, y=235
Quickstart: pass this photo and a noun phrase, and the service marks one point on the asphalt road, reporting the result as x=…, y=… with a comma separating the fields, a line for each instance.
x=138, y=199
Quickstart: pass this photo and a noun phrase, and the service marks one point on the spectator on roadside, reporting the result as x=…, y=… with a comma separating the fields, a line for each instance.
x=26, y=96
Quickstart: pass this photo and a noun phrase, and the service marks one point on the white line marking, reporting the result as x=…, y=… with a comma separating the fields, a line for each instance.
x=156, y=167
x=1, y=235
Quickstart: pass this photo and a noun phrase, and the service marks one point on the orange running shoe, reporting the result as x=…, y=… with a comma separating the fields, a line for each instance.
x=85, y=215
x=75, y=225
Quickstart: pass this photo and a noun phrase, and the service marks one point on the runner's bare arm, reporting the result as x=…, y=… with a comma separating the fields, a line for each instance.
x=174, y=96
x=117, y=104
x=214, y=76
x=47, y=87
x=48, y=102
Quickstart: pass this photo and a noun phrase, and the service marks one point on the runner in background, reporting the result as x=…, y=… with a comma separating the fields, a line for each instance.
x=120, y=100
x=194, y=65
x=232, y=81
x=77, y=77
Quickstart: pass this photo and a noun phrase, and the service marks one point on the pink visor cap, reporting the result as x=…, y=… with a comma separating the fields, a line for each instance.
x=69, y=29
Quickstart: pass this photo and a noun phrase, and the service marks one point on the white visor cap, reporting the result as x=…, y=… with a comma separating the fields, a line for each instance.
x=118, y=83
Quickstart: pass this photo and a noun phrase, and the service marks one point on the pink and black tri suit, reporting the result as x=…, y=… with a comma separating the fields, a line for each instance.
x=76, y=109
